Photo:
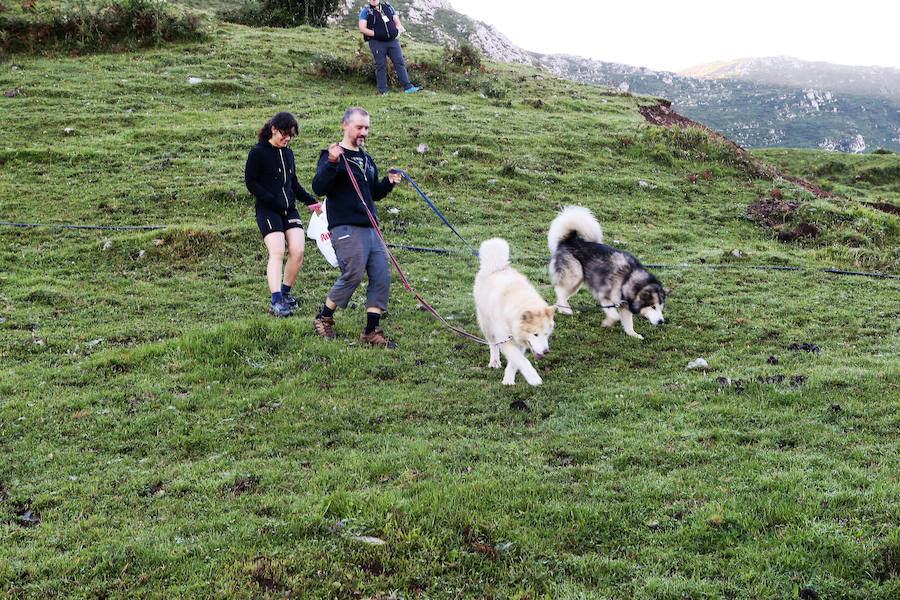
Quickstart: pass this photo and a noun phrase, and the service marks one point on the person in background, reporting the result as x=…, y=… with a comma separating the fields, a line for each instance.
x=271, y=177
x=358, y=248
x=380, y=25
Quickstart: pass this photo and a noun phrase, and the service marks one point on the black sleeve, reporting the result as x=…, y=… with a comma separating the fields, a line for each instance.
x=382, y=188
x=326, y=172
x=252, y=171
x=299, y=192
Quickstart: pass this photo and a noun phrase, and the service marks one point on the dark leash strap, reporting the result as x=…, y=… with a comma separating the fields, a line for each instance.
x=434, y=208
x=397, y=265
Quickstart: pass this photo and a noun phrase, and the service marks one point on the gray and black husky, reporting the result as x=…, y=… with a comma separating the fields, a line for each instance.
x=615, y=278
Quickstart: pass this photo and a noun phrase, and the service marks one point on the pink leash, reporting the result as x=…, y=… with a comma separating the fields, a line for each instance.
x=397, y=265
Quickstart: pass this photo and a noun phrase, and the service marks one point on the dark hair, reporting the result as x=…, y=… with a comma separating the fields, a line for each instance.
x=283, y=121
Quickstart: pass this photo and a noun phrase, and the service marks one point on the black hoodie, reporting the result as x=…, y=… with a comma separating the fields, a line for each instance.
x=271, y=177
x=344, y=206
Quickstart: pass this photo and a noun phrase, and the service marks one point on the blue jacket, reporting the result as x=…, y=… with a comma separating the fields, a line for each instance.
x=331, y=180
x=271, y=177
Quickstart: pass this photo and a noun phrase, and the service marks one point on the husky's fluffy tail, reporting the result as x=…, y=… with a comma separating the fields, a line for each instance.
x=577, y=219
x=494, y=254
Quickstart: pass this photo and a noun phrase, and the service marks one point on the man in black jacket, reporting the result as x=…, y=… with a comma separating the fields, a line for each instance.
x=380, y=25
x=356, y=243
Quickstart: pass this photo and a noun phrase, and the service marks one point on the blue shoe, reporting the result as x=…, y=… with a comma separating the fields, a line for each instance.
x=412, y=89
x=289, y=300
x=280, y=309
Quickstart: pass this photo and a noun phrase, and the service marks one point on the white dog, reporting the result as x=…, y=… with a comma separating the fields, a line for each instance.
x=511, y=314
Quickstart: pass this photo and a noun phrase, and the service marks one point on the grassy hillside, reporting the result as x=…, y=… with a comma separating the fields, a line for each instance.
x=873, y=178
x=161, y=436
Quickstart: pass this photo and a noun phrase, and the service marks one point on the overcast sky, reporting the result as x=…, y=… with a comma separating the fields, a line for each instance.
x=673, y=35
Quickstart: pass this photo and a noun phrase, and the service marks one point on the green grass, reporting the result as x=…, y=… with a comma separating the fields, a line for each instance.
x=175, y=441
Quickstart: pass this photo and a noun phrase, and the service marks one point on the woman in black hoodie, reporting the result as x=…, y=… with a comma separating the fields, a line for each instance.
x=271, y=177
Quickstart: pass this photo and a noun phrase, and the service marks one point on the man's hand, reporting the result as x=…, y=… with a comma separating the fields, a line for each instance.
x=394, y=176
x=335, y=151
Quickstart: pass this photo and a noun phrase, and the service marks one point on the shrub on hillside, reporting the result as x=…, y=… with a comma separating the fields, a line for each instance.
x=282, y=13
x=116, y=25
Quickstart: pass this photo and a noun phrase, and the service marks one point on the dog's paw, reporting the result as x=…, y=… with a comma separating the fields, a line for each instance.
x=563, y=310
x=636, y=335
x=494, y=364
x=535, y=380
x=508, y=380
x=608, y=322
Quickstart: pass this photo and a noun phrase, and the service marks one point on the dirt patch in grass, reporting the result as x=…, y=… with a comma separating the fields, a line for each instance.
x=372, y=565
x=804, y=229
x=804, y=347
x=775, y=212
x=739, y=385
x=4, y=494
x=662, y=114
x=26, y=517
x=263, y=576
x=772, y=212
x=884, y=207
x=244, y=483
x=888, y=559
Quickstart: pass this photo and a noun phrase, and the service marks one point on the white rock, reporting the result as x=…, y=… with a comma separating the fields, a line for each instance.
x=374, y=541
x=394, y=211
x=700, y=363
x=422, y=148
x=193, y=80
x=107, y=244
x=737, y=253
x=643, y=183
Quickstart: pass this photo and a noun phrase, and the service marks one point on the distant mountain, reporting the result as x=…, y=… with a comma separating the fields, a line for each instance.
x=791, y=72
x=763, y=102
x=833, y=109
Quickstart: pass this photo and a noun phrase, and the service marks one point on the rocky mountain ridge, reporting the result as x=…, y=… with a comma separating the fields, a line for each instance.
x=789, y=71
x=826, y=112
x=436, y=21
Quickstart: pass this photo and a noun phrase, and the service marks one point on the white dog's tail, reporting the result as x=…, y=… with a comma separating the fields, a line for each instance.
x=574, y=218
x=494, y=254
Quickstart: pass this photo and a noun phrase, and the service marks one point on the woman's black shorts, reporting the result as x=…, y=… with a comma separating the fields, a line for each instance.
x=277, y=220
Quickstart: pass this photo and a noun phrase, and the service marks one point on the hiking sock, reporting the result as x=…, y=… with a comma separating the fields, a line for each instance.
x=326, y=312
x=285, y=289
x=372, y=320
x=276, y=297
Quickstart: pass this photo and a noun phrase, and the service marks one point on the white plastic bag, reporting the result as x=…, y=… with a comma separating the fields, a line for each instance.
x=318, y=230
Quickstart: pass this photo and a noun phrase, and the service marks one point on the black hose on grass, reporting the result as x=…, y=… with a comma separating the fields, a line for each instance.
x=442, y=251
x=83, y=226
